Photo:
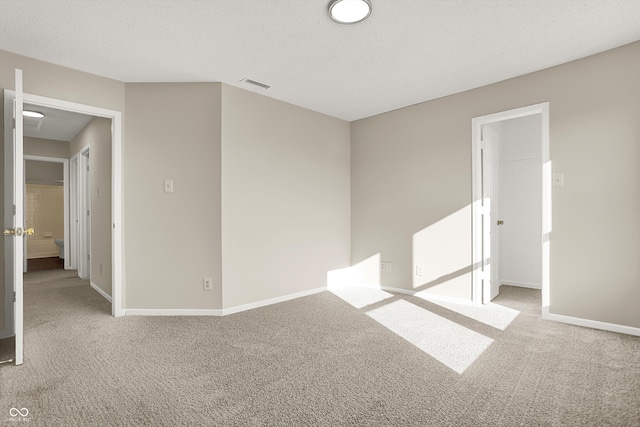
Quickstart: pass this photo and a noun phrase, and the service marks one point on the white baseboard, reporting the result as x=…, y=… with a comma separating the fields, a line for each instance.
x=420, y=294
x=218, y=312
x=270, y=301
x=521, y=284
x=101, y=292
x=171, y=312
x=428, y=296
x=595, y=324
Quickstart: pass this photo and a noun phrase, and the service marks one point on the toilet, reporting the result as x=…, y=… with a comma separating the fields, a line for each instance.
x=60, y=244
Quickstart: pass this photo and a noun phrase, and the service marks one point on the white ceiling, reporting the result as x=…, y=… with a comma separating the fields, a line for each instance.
x=408, y=51
x=58, y=125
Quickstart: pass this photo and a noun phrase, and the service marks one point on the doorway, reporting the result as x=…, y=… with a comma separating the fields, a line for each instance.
x=511, y=174
x=13, y=280
x=116, y=196
x=47, y=211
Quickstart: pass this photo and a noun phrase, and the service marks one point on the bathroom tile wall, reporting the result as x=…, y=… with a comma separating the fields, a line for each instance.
x=44, y=211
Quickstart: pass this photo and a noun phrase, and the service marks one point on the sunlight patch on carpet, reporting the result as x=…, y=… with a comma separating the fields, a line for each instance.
x=494, y=315
x=449, y=343
x=360, y=297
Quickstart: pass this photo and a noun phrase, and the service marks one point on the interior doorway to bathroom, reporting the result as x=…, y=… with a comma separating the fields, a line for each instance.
x=47, y=212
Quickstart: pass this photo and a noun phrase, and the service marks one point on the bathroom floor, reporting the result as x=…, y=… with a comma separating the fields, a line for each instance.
x=38, y=264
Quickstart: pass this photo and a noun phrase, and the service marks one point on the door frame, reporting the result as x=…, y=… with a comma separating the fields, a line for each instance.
x=117, y=230
x=481, y=208
x=13, y=274
x=65, y=185
x=82, y=203
x=73, y=213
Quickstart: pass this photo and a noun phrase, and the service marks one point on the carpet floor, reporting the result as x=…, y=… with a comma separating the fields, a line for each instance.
x=317, y=360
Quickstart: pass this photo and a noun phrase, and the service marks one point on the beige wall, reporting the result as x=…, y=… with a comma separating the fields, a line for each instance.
x=46, y=147
x=285, y=197
x=48, y=173
x=97, y=136
x=172, y=240
x=411, y=168
x=45, y=79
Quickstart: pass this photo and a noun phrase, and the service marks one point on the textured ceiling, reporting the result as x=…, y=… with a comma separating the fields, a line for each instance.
x=56, y=124
x=408, y=51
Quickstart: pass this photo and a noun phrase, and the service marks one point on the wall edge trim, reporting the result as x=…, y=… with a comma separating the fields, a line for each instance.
x=587, y=323
x=528, y=285
x=427, y=296
x=171, y=312
x=101, y=292
x=220, y=312
x=271, y=301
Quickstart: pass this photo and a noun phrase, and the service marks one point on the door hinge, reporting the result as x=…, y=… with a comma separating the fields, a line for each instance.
x=14, y=296
x=14, y=210
x=88, y=256
x=88, y=212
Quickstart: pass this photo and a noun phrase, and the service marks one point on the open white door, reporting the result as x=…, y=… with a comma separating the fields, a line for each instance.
x=490, y=167
x=487, y=203
x=14, y=209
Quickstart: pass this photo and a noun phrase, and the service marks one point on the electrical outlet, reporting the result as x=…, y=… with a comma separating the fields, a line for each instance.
x=419, y=270
x=207, y=284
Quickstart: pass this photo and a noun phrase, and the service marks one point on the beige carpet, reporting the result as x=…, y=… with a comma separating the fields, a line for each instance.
x=312, y=361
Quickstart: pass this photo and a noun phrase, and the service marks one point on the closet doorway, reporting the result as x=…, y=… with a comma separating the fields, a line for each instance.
x=511, y=175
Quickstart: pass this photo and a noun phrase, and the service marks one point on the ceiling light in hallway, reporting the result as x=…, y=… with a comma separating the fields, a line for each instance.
x=34, y=114
x=349, y=11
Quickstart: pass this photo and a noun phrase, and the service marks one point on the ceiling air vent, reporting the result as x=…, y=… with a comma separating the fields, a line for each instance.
x=255, y=83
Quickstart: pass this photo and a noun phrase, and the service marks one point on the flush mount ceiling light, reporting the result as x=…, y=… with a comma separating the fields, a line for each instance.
x=349, y=11
x=33, y=114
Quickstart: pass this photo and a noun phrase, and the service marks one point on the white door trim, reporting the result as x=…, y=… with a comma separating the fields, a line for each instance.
x=117, y=232
x=82, y=208
x=65, y=177
x=73, y=213
x=13, y=215
x=480, y=234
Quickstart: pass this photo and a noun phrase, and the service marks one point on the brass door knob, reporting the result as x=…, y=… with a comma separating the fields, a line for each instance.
x=500, y=222
x=18, y=231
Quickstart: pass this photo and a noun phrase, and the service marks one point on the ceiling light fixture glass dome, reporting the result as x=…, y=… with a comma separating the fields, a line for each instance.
x=34, y=114
x=349, y=11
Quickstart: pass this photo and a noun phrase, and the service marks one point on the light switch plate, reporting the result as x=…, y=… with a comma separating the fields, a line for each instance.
x=168, y=186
